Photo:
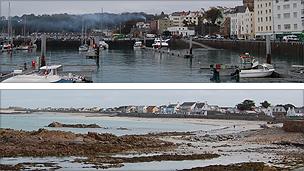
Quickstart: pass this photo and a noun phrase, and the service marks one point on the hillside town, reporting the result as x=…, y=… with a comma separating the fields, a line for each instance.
x=246, y=108
x=253, y=20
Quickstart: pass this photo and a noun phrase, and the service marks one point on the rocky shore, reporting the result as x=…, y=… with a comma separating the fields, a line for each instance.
x=58, y=143
x=259, y=149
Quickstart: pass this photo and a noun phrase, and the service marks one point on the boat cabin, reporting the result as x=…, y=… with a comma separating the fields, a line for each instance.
x=50, y=70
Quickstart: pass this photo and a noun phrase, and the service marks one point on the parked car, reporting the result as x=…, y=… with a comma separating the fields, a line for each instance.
x=290, y=38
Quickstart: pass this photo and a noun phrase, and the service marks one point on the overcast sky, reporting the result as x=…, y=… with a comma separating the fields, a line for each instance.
x=19, y=7
x=111, y=98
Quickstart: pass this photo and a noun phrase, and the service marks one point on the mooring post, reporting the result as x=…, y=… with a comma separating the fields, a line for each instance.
x=43, y=50
x=145, y=41
x=190, y=48
x=268, y=49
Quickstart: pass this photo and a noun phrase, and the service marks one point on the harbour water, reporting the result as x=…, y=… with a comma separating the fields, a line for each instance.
x=141, y=66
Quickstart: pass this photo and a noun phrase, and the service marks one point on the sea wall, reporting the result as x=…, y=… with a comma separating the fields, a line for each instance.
x=291, y=49
x=294, y=126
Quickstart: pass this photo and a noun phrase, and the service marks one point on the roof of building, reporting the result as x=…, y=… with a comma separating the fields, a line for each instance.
x=150, y=108
x=187, y=104
x=200, y=105
x=171, y=105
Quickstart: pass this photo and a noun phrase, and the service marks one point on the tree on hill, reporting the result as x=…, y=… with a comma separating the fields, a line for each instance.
x=246, y=105
x=265, y=104
x=213, y=14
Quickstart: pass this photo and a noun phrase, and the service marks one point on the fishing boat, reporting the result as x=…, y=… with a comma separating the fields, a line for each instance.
x=248, y=61
x=158, y=43
x=260, y=71
x=138, y=45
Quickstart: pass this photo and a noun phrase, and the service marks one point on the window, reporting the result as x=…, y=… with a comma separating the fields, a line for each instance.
x=270, y=28
x=279, y=27
x=279, y=16
x=295, y=5
x=295, y=26
x=286, y=15
x=295, y=14
x=287, y=6
x=279, y=7
x=287, y=26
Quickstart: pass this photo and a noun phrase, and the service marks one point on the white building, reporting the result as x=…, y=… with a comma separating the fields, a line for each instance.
x=179, y=18
x=242, y=23
x=181, y=31
x=263, y=12
x=247, y=29
x=288, y=17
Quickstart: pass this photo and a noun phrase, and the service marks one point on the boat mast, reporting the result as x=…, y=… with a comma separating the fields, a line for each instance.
x=82, y=30
x=9, y=28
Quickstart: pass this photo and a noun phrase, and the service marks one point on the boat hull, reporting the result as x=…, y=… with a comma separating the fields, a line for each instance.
x=258, y=73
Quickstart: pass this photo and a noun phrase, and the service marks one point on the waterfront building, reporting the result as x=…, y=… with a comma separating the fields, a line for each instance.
x=235, y=25
x=181, y=31
x=264, y=20
x=288, y=17
x=163, y=25
x=172, y=108
x=187, y=108
x=141, y=109
x=152, y=109
x=180, y=18
x=201, y=108
x=247, y=30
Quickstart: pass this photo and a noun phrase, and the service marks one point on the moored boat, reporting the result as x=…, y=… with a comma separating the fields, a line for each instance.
x=138, y=45
x=260, y=71
x=158, y=43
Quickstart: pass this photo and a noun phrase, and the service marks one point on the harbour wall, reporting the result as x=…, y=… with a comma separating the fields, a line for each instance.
x=288, y=49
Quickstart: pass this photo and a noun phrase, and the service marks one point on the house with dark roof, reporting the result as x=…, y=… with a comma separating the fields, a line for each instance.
x=201, y=108
x=187, y=108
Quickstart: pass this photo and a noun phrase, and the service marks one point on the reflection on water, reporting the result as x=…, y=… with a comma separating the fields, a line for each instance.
x=142, y=65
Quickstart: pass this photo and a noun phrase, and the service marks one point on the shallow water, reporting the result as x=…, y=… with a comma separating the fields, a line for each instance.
x=141, y=66
x=135, y=126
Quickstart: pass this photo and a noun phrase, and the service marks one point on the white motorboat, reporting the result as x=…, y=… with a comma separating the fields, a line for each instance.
x=158, y=43
x=46, y=74
x=103, y=45
x=7, y=47
x=260, y=71
x=138, y=45
x=83, y=48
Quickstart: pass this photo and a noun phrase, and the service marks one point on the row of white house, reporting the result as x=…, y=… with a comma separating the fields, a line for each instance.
x=203, y=108
x=268, y=17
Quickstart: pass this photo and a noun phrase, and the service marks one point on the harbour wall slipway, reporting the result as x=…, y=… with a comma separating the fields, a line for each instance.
x=288, y=49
